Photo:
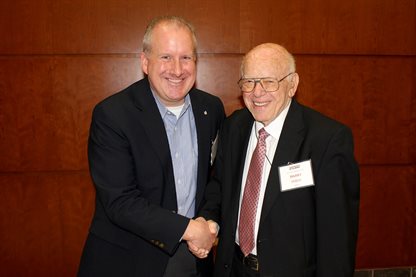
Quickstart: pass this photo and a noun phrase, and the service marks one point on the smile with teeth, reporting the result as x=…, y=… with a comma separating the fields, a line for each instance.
x=176, y=81
x=260, y=104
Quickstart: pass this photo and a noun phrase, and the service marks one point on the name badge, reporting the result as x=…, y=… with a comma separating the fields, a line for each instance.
x=297, y=175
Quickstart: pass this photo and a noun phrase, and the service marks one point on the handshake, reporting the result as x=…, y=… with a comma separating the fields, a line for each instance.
x=200, y=236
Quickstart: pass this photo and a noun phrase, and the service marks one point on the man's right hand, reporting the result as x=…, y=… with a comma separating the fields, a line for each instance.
x=200, y=236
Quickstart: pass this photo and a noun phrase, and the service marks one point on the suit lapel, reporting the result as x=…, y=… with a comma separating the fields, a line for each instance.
x=149, y=117
x=290, y=141
x=203, y=126
x=241, y=140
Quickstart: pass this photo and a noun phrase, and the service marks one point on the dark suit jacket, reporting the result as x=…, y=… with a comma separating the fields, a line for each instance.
x=135, y=227
x=309, y=231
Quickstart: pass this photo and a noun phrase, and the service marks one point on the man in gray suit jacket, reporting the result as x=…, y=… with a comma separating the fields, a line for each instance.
x=150, y=155
x=304, y=199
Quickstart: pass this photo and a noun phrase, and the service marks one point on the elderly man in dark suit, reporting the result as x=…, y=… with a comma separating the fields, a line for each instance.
x=285, y=192
x=150, y=156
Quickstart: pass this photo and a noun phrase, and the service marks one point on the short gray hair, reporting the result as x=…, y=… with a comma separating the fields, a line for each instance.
x=167, y=19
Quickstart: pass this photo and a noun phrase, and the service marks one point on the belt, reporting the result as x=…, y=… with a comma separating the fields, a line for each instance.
x=249, y=261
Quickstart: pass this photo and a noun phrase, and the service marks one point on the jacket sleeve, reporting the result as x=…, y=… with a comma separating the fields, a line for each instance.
x=337, y=206
x=213, y=191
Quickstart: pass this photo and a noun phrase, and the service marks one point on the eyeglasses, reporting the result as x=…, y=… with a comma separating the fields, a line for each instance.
x=269, y=84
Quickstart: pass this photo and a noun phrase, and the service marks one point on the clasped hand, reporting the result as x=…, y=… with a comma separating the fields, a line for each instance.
x=200, y=236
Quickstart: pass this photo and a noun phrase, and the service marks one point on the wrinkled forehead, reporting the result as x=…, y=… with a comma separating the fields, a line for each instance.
x=264, y=62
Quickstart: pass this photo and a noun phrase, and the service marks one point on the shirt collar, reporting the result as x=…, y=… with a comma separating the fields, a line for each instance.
x=162, y=108
x=275, y=127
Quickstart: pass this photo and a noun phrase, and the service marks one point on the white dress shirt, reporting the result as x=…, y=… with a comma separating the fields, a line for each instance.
x=274, y=129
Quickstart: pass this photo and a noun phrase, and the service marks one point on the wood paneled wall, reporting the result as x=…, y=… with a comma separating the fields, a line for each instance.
x=356, y=60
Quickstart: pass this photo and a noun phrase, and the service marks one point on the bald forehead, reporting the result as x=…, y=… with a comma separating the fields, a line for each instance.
x=268, y=54
x=265, y=48
x=269, y=51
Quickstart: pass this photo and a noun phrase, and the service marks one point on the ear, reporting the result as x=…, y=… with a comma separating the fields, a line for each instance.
x=144, y=62
x=293, y=84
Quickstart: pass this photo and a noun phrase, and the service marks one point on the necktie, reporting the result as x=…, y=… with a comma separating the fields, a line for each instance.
x=251, y=195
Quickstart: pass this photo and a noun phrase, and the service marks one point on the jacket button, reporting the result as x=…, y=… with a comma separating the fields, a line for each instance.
x=226, y=266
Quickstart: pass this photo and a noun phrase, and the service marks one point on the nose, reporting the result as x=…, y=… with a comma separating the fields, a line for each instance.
x=177, y=67
x=258, y=89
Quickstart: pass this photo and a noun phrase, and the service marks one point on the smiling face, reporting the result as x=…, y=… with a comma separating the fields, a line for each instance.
x=269, y=60
x=170, y=63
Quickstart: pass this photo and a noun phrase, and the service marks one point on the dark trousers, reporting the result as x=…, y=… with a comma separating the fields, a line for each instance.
x=239, y=269
x=105, y=259
x=182, y=263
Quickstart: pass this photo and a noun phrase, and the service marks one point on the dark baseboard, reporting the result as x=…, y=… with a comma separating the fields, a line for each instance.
x=386, y=272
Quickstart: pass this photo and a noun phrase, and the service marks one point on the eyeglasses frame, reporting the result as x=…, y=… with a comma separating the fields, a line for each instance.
x=259, y=80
